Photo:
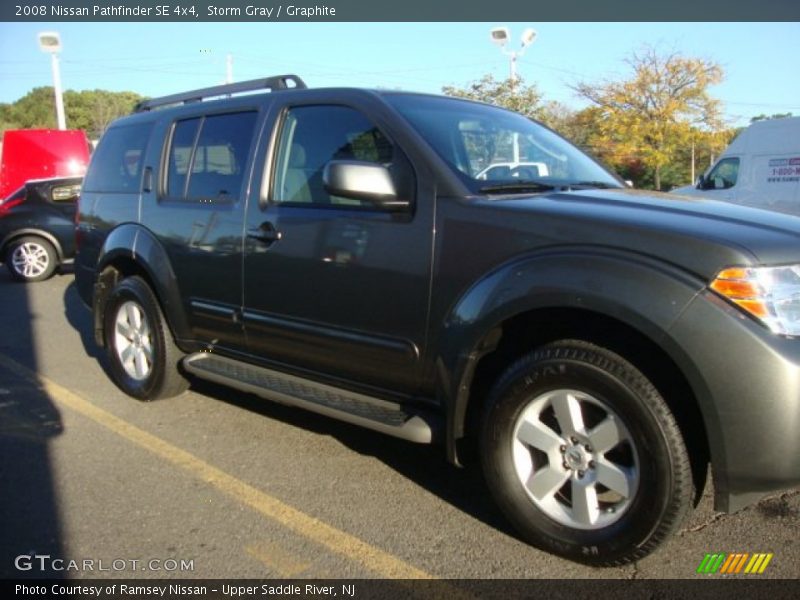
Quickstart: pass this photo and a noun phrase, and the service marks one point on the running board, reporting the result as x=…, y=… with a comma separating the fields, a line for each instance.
x=344, y=405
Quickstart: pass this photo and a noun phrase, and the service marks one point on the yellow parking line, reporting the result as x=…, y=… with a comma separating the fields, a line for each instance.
x=376, y=560
x=277, y=559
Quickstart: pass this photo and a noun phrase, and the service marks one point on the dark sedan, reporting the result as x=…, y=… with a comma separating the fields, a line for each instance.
x=36, y=227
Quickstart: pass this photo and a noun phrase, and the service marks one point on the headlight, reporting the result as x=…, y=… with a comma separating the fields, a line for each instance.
x=770, y=294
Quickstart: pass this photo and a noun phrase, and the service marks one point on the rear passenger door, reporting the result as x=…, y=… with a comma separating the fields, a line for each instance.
x=198, y=213
x=334, y=285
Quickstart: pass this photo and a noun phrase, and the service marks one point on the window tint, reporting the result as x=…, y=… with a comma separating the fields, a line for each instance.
x=220, y=156
x=723, y=175
x=312, y=136
x=117, y=163
x=207, y=156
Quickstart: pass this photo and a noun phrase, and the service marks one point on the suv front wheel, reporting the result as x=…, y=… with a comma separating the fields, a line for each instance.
x=584, y=456
x=143, y=357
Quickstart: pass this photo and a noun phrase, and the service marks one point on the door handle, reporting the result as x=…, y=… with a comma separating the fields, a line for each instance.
x=265, y=233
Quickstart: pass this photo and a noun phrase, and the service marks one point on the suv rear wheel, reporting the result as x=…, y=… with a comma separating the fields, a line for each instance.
x=143, y=356
x=31, y=258
x=583, y=455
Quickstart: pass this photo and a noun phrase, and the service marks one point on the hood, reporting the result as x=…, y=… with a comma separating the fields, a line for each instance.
x=686, y=190
x=697, y=234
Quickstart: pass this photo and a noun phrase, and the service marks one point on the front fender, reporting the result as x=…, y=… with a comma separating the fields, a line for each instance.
x=131, y=246
x=643, y=293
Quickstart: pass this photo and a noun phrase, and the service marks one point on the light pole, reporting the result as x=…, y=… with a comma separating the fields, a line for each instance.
x=50, y=42
x=501, y=36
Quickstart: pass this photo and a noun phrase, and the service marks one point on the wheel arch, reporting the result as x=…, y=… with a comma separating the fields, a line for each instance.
x=129, y=250
x=622, y=302
x=31, y=231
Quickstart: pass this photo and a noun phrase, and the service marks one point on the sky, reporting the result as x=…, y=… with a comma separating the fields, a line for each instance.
x=152, y=59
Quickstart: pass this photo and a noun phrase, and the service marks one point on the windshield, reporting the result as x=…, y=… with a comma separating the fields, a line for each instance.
x=497, y=151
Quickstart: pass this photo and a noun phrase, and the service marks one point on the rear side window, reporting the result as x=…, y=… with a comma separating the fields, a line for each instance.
x=116, y=165
x=207, y=156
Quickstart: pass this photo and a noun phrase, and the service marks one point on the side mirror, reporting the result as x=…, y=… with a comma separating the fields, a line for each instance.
x=700, y=183
x=362, y=181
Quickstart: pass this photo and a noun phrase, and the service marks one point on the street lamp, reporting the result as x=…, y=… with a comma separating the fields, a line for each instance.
x=501, y=36
x=50, y=42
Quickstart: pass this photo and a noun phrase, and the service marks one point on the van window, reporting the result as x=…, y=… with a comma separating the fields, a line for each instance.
x=116, y=165
x=723, y=176
x=210, y=152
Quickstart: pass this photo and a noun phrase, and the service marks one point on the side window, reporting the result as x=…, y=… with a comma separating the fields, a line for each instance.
x=117, y=163
x=207, y=157
x=312, y=136
x=180, y=155
x=723, y=175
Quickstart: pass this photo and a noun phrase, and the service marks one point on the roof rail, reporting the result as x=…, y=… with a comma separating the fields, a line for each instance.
x=279, y=82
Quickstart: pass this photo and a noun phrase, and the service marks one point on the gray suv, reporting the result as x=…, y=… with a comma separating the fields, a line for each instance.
x=337, y=250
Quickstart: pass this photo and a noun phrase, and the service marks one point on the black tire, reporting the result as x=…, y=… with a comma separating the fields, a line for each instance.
x=638, y=451
x=144, y=360
x=31, y=258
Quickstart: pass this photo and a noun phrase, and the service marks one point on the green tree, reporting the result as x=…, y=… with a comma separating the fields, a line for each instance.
x=36, y=109
x=763, y=117
x=516, y=96
x=90, y=110
x=654, y=113
x=93, y=110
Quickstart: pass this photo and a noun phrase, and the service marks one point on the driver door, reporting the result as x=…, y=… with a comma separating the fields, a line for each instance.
x=333, y=285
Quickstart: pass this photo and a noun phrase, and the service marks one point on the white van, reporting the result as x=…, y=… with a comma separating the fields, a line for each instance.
x=760, y=168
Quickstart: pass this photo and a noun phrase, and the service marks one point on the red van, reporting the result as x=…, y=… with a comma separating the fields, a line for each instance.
x=40, y=154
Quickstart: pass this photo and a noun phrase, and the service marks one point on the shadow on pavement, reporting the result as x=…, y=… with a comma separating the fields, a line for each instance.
x=425, y=465
x=29, y=514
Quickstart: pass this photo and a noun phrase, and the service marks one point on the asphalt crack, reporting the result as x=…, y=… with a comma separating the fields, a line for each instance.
x=761, y=506
x=716, y=517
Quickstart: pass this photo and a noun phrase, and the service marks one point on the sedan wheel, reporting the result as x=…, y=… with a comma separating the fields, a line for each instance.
x=31, y=259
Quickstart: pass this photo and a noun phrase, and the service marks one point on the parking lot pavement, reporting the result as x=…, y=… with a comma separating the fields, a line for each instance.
x=220, y=484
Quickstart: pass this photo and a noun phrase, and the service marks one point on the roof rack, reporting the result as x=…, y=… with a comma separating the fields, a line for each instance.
x=279, y=82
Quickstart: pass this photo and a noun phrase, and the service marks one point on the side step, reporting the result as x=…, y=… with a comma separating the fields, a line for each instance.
x=358, y=409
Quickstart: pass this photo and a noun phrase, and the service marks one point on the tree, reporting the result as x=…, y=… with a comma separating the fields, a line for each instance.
x=655, y=112
x=93, y=110
x=524, y=99
x=36, y=109
x=90, y=110
x=763, y=117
